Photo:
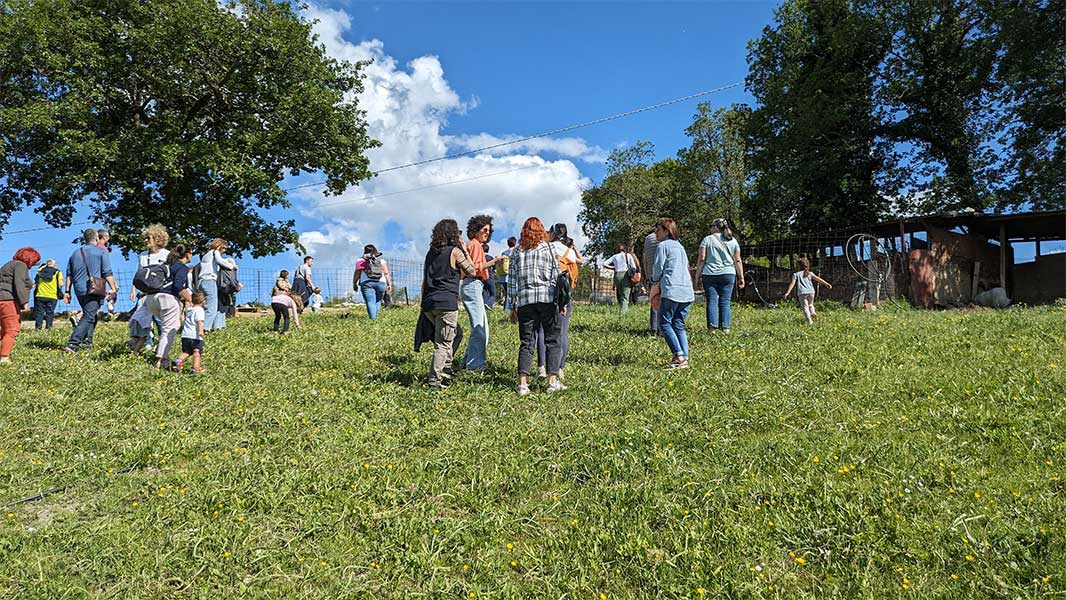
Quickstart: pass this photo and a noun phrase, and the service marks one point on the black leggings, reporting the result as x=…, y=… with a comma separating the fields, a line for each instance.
x=280, y=312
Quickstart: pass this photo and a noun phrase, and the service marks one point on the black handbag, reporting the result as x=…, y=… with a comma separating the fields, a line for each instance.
x=563, y=288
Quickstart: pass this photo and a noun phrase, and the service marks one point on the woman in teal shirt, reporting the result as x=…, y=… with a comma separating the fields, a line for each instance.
x=720, y=267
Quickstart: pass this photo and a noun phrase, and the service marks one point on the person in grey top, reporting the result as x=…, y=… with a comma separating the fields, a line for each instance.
x=651, y=244
x=803, y=282
x=85, y=263
x=15, y=289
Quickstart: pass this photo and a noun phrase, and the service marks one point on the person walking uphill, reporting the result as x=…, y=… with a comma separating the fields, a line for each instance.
x=165, y=305
x=15, y=290
x=625, y=266
x=446, y=261
x=302, y=284
x=534, y=273
x=47, y=283
x=471, y=290
x=211, y=262
x=719, y=267
x=672, y=290
x=372, y=279
x=89, y=276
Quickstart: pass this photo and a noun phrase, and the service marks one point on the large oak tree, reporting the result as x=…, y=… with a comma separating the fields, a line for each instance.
x=185, y=112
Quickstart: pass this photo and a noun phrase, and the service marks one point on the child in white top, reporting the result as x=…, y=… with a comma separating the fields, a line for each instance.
x=804, y=282
x=316, y=300
x=192, y=334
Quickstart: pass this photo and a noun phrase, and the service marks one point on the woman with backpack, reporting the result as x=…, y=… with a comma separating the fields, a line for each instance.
x=570, y=261
x=15, y=290
x=46, y=284
x=211, y=263
x=373, y=279
x=156, y=238
x=535, y=305
x=164, y=304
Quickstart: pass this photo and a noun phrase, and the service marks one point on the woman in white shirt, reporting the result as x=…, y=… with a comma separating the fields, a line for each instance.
x=210, y=262
x=156, y=239
x=621, y=263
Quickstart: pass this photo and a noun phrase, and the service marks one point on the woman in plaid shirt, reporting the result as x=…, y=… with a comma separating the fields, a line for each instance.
x=534, y=270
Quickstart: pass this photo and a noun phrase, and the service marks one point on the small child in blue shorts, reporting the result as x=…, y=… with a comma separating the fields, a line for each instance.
x=192, y=334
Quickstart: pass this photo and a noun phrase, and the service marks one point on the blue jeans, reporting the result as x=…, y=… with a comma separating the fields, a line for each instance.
x=44, y=310
x=470, y=292
x=82, y=336
x=373, y=294
x=719, y=291
x=501, y=282
x=672, y=325
x=213, y=318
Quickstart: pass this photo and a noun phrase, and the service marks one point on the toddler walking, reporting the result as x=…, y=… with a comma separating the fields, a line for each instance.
x=192, y=334
x=803, y=282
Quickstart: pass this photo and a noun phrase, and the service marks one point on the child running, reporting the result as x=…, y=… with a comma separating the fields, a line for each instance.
x=192, y=334
x=804, y=281
x=285, y=304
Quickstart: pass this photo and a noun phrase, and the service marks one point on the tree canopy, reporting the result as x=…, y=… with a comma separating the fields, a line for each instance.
x=185, y=112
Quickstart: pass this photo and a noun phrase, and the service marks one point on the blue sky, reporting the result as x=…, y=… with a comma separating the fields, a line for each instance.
x=453, y=76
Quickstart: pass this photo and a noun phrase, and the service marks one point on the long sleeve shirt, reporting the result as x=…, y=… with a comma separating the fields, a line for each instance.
x=670, y=271
x=210, y=263
x=15, y=282
x=531, y=279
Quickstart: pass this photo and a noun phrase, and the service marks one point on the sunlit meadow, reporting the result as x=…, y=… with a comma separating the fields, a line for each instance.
x=892, y=454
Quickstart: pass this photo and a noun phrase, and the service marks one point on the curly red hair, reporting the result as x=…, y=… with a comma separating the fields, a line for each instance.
x=27, y=255
x=533, y=234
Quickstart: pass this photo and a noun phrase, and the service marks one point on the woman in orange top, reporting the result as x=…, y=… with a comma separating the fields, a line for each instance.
x=479, y=231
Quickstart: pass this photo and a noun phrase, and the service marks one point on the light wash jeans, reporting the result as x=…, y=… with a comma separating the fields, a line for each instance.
x=373, y=293
x=471, y=292
x=213, y=318
x=718, y=290
x=672, y=325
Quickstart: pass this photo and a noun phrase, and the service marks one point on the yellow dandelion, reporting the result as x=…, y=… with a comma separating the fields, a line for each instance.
x=800, y=560
x=954, y=577
x=510, y=546
x=969, y=557
x=466, y=567
x=700, y=591
x=226, y=555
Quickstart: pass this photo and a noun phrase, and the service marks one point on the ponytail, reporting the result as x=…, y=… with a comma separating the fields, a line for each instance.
x=177, y=253
x=805, y=264
x=723, y=228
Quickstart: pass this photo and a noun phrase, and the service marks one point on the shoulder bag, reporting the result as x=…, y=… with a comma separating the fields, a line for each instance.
x=96, y=286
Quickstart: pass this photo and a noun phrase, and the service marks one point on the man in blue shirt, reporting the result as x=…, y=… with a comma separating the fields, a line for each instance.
x=86, y=262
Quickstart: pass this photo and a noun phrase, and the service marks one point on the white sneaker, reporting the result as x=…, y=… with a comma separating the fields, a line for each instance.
x=556, y=386
x=523, y=390
x=560, y=376
x=542, y=372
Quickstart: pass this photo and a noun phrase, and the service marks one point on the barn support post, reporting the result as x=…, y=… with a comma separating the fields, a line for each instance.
x=1003, y=256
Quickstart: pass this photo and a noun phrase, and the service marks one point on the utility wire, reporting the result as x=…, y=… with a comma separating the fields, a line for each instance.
x=427, y=187
x=527, y=138
x=621, y=115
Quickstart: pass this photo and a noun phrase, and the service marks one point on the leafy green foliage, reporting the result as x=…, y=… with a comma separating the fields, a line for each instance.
x=815, y=155
x=900, y=452
x=188, y=112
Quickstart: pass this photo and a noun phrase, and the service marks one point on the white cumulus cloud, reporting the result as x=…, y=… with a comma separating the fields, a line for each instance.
x=407, y=107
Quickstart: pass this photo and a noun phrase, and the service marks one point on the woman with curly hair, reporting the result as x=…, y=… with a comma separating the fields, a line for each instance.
x=445, y=262
x=534, y=271
x=15, y=289
x=471, y=290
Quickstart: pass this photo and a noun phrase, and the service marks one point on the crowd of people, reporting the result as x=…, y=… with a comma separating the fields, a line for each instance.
x=534, y=278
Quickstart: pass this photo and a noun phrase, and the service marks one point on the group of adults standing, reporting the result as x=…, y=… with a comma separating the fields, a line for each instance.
x=455, y=272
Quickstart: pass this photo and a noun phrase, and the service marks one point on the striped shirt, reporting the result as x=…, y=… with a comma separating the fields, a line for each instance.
x=532, y=276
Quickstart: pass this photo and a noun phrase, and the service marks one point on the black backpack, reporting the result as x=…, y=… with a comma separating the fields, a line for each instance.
x=373, y=269
x=152, y=279
x=563, y=286
x=228, y=282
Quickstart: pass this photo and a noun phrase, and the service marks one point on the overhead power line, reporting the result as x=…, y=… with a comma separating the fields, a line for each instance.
x=527, y=138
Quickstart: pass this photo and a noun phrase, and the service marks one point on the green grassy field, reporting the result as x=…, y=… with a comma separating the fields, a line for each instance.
x=891, y=454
